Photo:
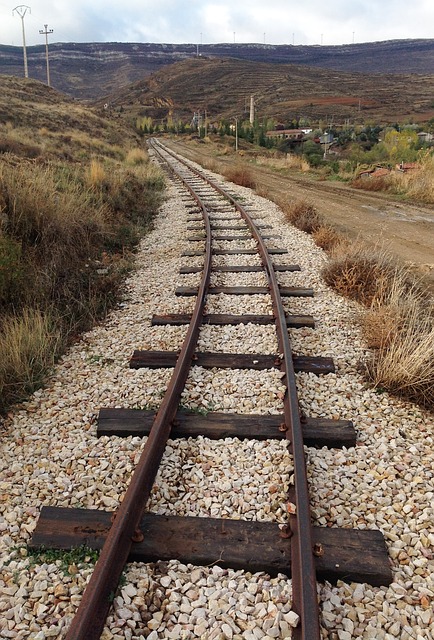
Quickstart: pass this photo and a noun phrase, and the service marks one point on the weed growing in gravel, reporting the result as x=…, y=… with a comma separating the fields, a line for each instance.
x=67, y=559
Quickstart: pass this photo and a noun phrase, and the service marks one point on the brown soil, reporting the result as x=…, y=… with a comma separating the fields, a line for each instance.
x=405, y=229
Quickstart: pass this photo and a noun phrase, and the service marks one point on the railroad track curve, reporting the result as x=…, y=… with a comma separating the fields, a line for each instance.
x=295, y=547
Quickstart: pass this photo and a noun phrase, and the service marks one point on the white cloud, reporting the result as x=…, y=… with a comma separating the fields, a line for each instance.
x=179, y=22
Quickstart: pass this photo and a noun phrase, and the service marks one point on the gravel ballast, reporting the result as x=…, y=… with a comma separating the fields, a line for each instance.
x=51, y=456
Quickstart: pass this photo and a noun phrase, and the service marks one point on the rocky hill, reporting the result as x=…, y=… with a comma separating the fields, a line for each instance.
x=93, y=70
x=284, y=92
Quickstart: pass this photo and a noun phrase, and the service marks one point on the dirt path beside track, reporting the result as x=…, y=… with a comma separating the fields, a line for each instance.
x=406, y=230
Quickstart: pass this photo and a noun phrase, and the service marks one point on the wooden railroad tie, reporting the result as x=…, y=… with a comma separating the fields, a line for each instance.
x=202, y=237
x=241, y=268
x=233, y=252
x=285, y=292
x=317, y=432
x=351, y=555
x=166, y=359
x=178, y=319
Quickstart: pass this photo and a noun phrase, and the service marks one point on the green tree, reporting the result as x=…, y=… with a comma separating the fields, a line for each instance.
x=401, y=145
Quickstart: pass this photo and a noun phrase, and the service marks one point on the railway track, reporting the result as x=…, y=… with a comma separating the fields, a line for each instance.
x=308, y=553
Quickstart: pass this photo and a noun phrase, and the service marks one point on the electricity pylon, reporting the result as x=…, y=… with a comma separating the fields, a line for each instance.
x=22, y=10
x=46, y=32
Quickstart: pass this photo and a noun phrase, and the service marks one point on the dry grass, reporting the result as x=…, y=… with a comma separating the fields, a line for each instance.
x=289, y=161
x=240, y=175
x=418, y=183
x=398, y=323
x=96, y=174
x=403, y=362
x=45, y=209
x=136, y=157
x=361, y=273
x=327, y=238
x=302, y=215
x=212, y=165
x=382, y=183
x=29, y=344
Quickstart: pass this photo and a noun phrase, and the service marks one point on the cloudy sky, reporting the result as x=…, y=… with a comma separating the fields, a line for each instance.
x=210, y=21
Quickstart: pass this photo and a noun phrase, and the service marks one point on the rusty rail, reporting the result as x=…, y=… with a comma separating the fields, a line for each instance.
x=305, y=599
x=89, y=620
x=88, y=623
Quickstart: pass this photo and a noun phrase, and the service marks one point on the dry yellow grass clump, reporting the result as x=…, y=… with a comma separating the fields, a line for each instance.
x=418, y=183
x=288, y=161
x=30, y=342
x=398, y=323
x=240, y=175
x=302, y=215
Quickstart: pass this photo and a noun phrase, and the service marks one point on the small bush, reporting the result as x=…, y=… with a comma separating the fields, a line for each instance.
x=241, y=176
x=303, y=215
x=360, y=273
x=327, y=238
x=371, y=184
x=28, y=347
x=398, y=323
x=404, y=362
x=136, y=156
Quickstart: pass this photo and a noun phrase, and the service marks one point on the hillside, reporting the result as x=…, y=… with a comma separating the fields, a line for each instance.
x=37, y=121
x=92, y=70
x=223, y=88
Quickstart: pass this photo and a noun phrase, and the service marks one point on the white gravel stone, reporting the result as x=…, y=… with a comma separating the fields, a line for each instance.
x=51, y=456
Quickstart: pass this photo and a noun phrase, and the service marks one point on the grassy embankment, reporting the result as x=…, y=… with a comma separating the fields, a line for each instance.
x=76, y=196
x=398, y=321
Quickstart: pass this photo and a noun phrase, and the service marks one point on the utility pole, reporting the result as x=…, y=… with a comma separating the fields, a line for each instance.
x=236, y=134
x=46, y=32
x=22, y=10
x=252, y=110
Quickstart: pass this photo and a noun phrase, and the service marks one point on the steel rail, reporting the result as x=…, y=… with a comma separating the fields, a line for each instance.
x=88, y=623
x=305, y=598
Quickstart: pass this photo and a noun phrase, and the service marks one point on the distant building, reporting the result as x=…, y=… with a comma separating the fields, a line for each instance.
x=424, y=136
x=326, y=138
x=406, y=166
x=293, y=135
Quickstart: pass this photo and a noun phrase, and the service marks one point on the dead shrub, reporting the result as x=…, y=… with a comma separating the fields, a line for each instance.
x=404, y=362
x=303, y=215
x=327, y=238
x=241, y=176
x=398, y=323
x=360, y=273
x=380, y=183
x=380, y=326
x=263, y=191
